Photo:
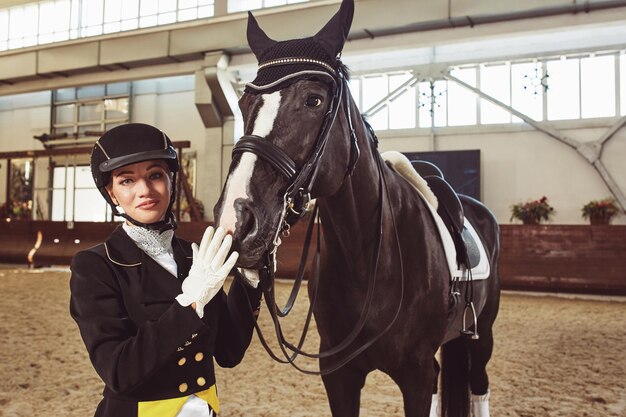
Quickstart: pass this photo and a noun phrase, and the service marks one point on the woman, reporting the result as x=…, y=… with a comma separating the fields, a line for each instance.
x=150, y=307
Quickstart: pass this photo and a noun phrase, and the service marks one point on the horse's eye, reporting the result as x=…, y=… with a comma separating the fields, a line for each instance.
x=313, y=101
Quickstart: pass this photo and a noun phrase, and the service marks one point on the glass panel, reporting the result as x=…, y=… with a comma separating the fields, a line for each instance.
x=441, y=103
x=240, y=5
x=62, y=201
x=461, y=101
x=185, y=4
x=273, y=3
x=563, y=89
x=148, y=7
x=113, y=10
x=355, y=90
x=167, y=6
x=41, y=204
x=84, y=178
x=64, y=114
x=424, y=104
x=187, y=14
x=93, y=12
x=402, y=108
x=64, y=94
x=90, y=206
x=17, y=23
x=130, y=24
x=622, y=84
x=147, y=21
x=205, y=11
x=111, y=27
x=597, y=81
x=20, y=204
x=130, y=9
x=31, y=23
x=90, y=91
x=46, y=25
x=495, y=81
x=166, y=18
x=61, y=17
x=116, y=108
x=379, y=120
x=89, y=112
x=4, y=25
x=526, y=90
x=375, y=88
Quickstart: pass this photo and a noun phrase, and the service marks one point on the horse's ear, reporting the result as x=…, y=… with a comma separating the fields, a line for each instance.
x=334, y=35
x=257, y=39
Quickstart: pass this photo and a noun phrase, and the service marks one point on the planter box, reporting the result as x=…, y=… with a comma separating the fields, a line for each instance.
x=563, y=258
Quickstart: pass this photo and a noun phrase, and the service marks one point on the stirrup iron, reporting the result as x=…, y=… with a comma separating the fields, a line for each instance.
x=465, y=330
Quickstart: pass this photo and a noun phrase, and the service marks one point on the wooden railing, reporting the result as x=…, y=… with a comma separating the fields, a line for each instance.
x=555, y=258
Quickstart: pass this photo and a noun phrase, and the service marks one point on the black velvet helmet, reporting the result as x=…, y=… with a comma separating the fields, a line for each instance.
x=128, y=144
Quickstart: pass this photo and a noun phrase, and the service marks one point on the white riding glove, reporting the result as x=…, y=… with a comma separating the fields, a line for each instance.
x=208, y=270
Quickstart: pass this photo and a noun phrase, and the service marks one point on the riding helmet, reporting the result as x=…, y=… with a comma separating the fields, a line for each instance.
x=128, y=144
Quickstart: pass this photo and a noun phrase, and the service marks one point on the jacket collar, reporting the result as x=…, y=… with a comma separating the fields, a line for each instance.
x=157, y=284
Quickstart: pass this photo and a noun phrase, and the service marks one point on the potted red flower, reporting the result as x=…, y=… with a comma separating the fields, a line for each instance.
x=600, y=211
x=532, y=212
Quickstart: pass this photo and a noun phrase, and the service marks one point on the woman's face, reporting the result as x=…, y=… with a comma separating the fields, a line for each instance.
x=142, y=190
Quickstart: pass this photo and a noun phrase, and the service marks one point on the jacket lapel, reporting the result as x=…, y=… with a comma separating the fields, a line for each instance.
x=157, y=284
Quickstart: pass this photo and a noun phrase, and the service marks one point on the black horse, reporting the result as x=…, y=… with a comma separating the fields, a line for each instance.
x=383, y=274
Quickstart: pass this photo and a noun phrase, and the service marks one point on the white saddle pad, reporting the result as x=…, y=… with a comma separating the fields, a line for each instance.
x=403, y=166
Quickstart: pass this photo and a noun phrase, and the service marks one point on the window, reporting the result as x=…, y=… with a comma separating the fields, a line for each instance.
x=495, y=80
x=242, y=5
x=527, y=89
x=461, y=101
x=432, y=103
x=83, y=114
x=563, y=89
x=402, y=107
x=75, y=196
x=597, y=81
x=622, y=84
x=58, y=20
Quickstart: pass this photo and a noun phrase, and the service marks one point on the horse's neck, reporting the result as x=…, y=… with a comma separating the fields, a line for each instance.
x=350, y=216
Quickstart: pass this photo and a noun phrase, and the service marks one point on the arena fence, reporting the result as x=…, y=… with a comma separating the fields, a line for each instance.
x=554, y=258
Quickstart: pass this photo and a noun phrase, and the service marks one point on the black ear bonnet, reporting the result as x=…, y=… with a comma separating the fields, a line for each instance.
x=288, y=61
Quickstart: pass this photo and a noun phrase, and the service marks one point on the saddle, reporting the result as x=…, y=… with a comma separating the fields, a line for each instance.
x=465, y=253
x=450, y=210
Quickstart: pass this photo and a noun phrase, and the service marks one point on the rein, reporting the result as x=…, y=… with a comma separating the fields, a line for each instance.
x=300, y=187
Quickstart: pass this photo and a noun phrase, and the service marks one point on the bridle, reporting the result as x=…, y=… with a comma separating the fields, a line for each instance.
x=296, y=198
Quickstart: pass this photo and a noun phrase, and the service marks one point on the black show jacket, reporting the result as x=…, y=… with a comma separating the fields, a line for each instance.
x=143, y=344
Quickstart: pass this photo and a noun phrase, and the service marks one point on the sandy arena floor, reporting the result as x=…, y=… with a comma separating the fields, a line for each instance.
x=553, y=357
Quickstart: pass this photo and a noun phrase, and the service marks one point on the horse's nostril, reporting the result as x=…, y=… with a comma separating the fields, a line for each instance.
x=246, y=222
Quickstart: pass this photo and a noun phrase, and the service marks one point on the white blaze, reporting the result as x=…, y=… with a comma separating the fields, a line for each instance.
x=238, y=182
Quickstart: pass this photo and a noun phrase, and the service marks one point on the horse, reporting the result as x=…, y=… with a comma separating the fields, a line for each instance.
x=383, y=276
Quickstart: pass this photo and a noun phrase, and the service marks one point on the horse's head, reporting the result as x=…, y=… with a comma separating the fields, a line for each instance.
x=290, y=114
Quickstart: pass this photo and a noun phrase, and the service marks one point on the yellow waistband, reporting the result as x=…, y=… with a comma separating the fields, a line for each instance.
x=171, y=406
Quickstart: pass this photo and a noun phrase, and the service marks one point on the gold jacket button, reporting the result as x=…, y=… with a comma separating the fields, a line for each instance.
x=201, y=381
x=182, y=361
x=199, y=356
x=183, y=387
